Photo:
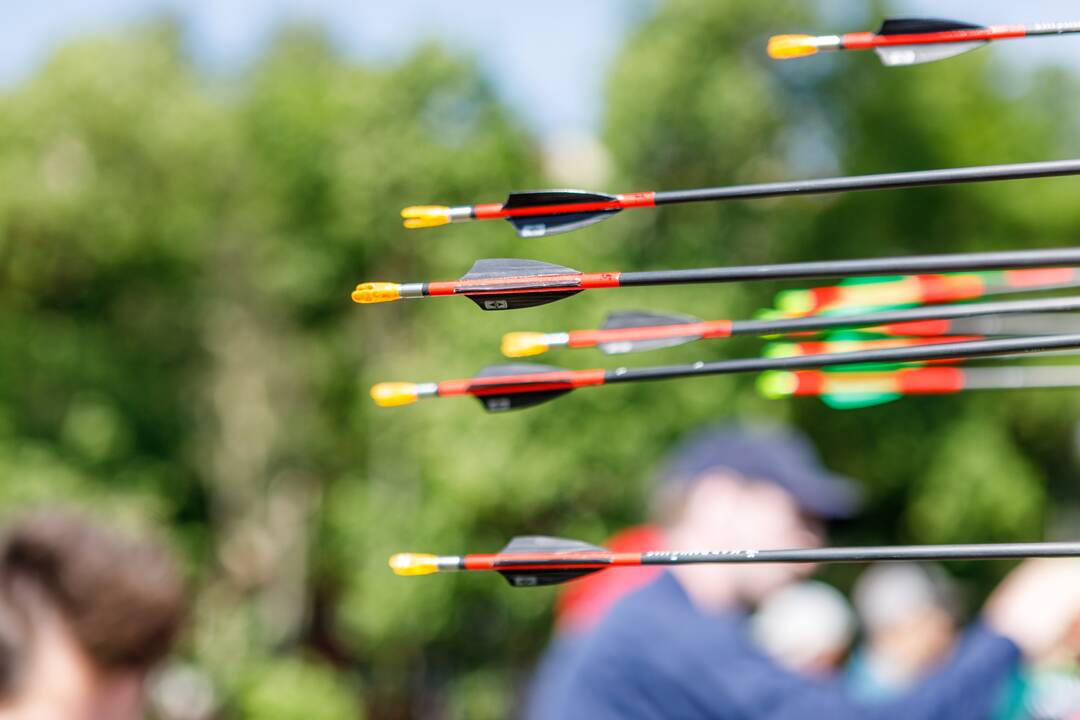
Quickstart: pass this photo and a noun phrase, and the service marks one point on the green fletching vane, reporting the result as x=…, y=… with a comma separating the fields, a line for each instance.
x=854, y=401
x=873, y=367
x=875, y=280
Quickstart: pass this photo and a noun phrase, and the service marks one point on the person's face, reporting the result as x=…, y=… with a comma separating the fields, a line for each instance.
x=726, y=511
x=61, y=681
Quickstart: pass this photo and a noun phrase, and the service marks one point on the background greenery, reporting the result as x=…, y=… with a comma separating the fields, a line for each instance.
x=177, y=346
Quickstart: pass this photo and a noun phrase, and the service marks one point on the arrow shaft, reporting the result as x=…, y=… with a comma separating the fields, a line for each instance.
x=1035, y=324
x=1015, y=378
x=986, y=173
x=705, y=329
x=565, y=380
x=910, y=265
x=933, y=380
x=910, y=315
x=869, y=40
x=728, y=328
x=980, y=348
x=556, y=561
x=525, y=383
x=822, y=347
x=1052, y=28
x=989, y=551
x=491, y=211
x=936, y=288
x=570, y=283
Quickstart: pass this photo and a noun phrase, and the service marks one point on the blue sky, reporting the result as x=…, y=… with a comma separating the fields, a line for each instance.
x=547, y=59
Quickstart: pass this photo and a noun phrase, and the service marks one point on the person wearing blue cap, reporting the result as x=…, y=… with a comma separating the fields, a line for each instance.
x=680, y=646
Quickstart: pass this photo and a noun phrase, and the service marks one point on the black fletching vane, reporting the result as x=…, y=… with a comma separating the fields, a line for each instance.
x=518, y=301
x=899, y=55
x=638, y=318
x=537, y=578
x=497, y=268
x=917, y=26
x=635, y=318
x=516, y=401
x=543, y=225
x=544, y=544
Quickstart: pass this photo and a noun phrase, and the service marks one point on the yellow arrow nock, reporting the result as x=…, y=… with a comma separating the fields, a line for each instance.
x=376, y=292
x=784, y=47
x=523, y=344
x=414, y=564
x=393, y=394
x=422, y=216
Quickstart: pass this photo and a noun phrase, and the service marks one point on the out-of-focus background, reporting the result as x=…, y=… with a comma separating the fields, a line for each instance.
x=188, y=192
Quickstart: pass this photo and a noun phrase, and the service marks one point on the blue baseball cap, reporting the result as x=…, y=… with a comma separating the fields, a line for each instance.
x=776, y=454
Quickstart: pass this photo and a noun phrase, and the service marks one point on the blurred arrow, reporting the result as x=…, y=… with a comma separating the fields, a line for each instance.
x=868, y=293
x=548, y=212
x=911, y=41
x=626, y=332
x=855, y=344
x=507, y=284
x=508, y=387
x=533, y=561
x=847, y=390
x=1034, y=324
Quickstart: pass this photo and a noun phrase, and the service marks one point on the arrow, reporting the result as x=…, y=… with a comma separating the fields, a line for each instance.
x=548, y=212
x=851, y=344
x=508, y=387
x=847, y=390
x=533, y=561
x=625, y=332
x=1035, y=324
x=911, y=41
x=865, y=293
x=507, y=284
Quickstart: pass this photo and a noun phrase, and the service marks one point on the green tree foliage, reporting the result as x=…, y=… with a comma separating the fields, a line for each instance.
x=177, y=345
x=178, y=342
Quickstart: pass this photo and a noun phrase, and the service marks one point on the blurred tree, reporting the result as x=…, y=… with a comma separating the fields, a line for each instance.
x=111, y=187
x=177, y=344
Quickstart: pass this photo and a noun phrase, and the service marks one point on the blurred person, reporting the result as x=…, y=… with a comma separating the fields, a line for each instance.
x=807, y=627
x=579, y=607
x=1048, y=687
x=908, y=613
x=85, y=613
x=680, y=646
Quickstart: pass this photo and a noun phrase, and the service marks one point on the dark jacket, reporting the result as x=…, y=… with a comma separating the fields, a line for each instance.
x=657, y=656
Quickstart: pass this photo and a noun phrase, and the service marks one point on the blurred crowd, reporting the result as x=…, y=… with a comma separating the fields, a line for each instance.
x=767, y=641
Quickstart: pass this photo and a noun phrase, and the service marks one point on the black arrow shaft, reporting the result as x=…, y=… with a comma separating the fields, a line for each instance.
x=988, y=173
x=977, y=348
x=933, y=312
x=993, y=551
x=1052, y=28
x=1021, y=377
x=910, y=265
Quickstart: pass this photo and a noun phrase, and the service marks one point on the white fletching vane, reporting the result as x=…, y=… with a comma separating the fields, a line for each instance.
x=896, y=55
